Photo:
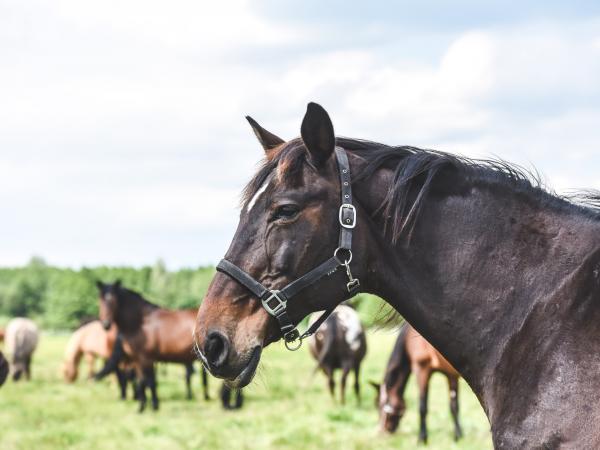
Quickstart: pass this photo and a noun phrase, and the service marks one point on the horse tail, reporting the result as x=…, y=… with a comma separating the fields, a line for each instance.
x=112, y=363
x=329, y=340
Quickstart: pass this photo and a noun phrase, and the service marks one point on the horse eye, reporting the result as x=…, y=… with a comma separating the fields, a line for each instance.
x=285, y=212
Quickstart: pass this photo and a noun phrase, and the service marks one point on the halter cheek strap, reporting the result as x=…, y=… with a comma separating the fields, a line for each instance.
x=275, y=301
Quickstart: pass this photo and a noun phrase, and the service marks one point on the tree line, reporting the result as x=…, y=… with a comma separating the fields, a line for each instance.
x=63, y=298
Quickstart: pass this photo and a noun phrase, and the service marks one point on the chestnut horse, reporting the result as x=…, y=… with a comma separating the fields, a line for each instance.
x=89, y=341
x=340, y=343
x=148, y=334
x=412, y=353
x=501, y=276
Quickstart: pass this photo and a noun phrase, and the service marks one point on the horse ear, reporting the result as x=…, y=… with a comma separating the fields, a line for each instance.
x=117, y=284
x=99, y=285
x=267, y=139
x=377, y=386
x=317, y=134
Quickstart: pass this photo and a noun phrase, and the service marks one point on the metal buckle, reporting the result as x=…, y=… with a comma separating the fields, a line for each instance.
x=279, y=305
x=348, y=223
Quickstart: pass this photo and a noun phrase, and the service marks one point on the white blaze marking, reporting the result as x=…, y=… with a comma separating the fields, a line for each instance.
x=262, y=189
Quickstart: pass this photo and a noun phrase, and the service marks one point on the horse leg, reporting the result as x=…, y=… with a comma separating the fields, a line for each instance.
x=152, y=384
x=205, y=383
x=239, y=399
x=357, y=382
x=345, y=372
x=28, y=368
x=329, y=372
x=453, y=386
x=90, y=362
x=423, y=375
x=141, y=389
x=189, y=370
x=122, y=379
x=133, y=378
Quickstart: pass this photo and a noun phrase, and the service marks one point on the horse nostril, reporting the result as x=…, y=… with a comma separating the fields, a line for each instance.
x=216, y=349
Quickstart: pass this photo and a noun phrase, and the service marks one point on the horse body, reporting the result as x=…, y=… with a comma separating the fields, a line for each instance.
x=21, y=340
x=90, y=341
x=413, y=354
x=526, y=298
x=340, y=343
x=150, y=334
x=500, y=276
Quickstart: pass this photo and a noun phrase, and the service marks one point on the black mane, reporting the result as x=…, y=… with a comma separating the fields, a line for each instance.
x=414, y=170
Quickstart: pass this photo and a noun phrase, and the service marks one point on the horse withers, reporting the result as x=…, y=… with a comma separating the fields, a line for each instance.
x=21, y=339
x=413, y=354
x=473, y=250
x=340, y=343
x=149, y=334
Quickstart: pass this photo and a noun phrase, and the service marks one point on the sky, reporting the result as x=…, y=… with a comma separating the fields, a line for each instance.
x=122, y=130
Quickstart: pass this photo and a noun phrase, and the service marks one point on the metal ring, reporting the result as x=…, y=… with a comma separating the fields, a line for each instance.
x=342, y=263
x=293, y=348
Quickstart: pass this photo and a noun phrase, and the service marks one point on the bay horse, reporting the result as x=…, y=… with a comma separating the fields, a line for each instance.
x=148, y=334
x=340, y=343
x=413, y=354
x=501, y=276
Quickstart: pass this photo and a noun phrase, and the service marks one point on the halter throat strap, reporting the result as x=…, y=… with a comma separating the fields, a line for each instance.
x=275, y=301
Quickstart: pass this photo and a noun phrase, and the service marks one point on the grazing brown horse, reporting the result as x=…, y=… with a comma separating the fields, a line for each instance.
x=4, y=369
x=412, y=353
x=149, y=334
x=501, y=276
x=340, y=343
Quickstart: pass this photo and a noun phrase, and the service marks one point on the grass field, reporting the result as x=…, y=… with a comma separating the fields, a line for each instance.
x=284, y=409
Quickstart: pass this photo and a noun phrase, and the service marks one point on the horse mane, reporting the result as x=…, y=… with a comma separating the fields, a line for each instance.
x=137, y=298
x=414, y=172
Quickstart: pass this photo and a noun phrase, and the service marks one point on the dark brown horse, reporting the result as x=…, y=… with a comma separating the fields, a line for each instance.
x=148, y=334
x=413, y=354
x=340, y=343
x=4, y=369
x=502, y=277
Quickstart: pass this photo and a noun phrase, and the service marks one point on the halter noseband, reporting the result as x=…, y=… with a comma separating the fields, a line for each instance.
x=275, y=301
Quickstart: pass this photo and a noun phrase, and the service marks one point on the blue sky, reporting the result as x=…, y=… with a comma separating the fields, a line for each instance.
x=122, y=131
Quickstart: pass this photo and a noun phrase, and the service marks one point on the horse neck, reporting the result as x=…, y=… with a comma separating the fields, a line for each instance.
x=133, y=308
x=476, y=266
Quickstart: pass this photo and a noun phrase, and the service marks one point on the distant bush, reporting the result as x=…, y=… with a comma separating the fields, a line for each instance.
x=61, y=298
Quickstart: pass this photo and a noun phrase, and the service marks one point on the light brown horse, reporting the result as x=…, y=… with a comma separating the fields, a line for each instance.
x=149, y=334
x=340, y=343
x=90, y=341
x=413, y=354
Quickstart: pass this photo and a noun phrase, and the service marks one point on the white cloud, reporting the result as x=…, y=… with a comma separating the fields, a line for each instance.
x=122, y=136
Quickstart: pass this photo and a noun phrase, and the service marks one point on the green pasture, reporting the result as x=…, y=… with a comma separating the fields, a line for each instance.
x=285, y=409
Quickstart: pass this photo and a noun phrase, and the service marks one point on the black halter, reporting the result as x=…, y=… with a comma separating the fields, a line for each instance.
x=275, y=301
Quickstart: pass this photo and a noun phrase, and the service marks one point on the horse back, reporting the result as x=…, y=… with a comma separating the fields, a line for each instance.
x=422, y=353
